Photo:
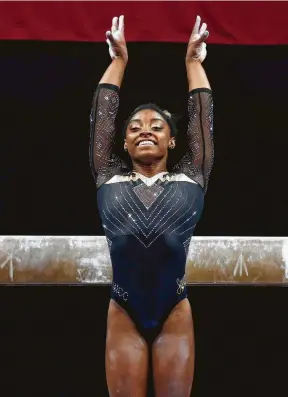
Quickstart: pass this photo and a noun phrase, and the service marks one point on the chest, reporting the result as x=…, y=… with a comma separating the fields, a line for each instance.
x=170, y=207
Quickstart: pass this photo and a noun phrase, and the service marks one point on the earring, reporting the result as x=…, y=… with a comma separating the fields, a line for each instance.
x=125, y=148
x=171, y=147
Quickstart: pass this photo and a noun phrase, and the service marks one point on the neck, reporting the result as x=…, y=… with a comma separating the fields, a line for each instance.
x=150, y=170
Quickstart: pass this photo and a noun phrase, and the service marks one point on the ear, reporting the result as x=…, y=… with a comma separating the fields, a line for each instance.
x=125, y=145
x=172, y=143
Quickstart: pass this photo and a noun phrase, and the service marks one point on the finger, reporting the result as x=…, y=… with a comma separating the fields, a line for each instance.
x=203, y=28
x=197, y=25
x=121, y=23
x=114, y=26
x=108, y=42
x=206, y=35
x=202, y=38
x=110, y=37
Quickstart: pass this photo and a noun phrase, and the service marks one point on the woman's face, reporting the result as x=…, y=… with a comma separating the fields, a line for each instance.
x=148, y=137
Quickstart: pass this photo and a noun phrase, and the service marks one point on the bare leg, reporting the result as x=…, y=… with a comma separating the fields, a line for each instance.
x=126, y=355
x=173, y=354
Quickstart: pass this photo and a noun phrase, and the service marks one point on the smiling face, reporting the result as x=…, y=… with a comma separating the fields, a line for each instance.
x=148, y=137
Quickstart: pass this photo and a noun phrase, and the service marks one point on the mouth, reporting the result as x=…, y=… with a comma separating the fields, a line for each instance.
x=146, y=142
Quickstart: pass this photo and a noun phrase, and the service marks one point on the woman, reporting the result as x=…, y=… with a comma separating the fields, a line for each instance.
x=149, y=216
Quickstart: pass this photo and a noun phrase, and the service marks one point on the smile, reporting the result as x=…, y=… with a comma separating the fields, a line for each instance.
x=146, y=143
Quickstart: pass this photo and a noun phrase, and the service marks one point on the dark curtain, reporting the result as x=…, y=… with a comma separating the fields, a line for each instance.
x=53, y=341
x=46, y=91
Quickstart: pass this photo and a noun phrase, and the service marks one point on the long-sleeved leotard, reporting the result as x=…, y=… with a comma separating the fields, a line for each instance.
x=149, y=222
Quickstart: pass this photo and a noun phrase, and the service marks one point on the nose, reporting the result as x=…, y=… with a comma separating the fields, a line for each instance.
x=145, y=133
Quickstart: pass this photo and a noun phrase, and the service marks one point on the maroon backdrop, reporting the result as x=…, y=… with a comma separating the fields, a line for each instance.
x=229, y=22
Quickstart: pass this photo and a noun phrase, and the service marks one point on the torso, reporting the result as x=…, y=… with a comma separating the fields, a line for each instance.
x=149, y=223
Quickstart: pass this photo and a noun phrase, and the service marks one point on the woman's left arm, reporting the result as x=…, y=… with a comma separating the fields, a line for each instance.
x=198, y=161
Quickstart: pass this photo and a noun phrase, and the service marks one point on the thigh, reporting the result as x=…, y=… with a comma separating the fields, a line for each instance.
x=126, y=355
x=173, y=354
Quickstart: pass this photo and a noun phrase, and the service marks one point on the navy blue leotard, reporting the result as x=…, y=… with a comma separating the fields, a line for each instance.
x=149, y=222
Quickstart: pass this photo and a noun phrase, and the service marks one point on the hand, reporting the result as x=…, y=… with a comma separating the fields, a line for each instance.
x=116, y=40
x=197, y=47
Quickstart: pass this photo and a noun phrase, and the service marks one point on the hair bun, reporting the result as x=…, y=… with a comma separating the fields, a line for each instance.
x=167, y=113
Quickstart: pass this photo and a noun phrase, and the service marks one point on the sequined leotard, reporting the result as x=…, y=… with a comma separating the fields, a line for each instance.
x=149, y=222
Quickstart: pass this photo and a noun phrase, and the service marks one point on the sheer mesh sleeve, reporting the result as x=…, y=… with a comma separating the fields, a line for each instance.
x=198, y=160
x=104, y=163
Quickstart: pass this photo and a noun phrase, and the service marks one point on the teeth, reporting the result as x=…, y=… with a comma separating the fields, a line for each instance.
x=146, y=143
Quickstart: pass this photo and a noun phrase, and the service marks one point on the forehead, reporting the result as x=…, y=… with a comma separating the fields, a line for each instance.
x=147, y=114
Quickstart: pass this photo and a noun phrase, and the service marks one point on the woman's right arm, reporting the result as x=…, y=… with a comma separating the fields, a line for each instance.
x=104, y=164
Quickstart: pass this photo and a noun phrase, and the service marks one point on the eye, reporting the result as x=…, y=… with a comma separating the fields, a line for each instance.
x=134, y=129
x=157, y=128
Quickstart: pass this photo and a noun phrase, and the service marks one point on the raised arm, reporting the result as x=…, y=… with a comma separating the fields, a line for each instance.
x=197, y=162
x=104, y=163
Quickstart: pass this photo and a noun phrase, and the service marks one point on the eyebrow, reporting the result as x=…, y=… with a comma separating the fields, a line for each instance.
x=140, y=121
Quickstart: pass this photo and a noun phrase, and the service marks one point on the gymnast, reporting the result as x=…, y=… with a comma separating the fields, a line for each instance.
x=149, y=216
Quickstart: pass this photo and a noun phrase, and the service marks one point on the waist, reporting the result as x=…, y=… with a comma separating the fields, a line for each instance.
x=129, y=288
